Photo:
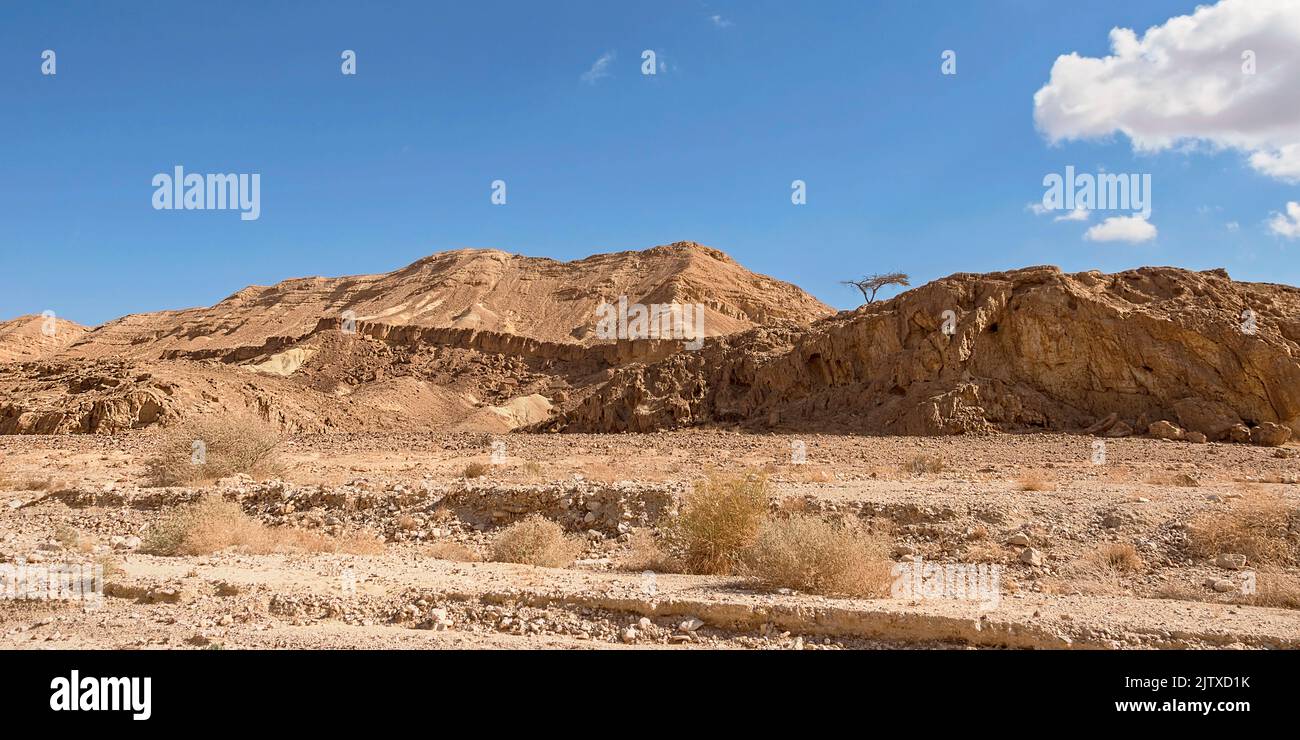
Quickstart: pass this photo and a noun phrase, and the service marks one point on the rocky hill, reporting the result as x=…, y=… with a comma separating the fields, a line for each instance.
x=476, y=339
x=1031, y=349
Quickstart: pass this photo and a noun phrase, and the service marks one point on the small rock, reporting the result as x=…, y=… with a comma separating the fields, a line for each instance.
x=629, y=635
x=1239, y=433
x=1120, y=429
x=1165, y=430
x=1030, y=556
x=1231, y=561
x=1195, y=437
x=1019, y=539
x=690, y=625
x=1224, y=585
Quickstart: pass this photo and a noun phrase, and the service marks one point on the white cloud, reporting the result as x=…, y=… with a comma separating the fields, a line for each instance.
x=719, y=21
x=1184, y=83
x=1132, y=229
x=599, y=69
x=1287, y=225
x=1078, y=214
x=1233, y=226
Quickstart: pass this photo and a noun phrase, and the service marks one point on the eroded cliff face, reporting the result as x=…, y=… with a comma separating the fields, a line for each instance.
x=472, y=338
x=1030, y=349
x=1027, y=349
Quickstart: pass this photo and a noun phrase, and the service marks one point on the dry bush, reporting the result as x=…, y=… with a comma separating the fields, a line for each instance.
x=1034, y=482
x=793, y=505
x=809, y=474
x=477, y=470
x=1263, y=526
x=230, y=446
x=449, y=550
x=536, y=540
x=807, y=553
x=1274, y=589
x=719, y=519
x=407, y=523
x=1178, y=591
x=15, y=483
x=65, y=535
x=212, y=524
x=532, y=471
x=1116, y=556
x=645, y=553
x=923, y=463
x=1175, y=479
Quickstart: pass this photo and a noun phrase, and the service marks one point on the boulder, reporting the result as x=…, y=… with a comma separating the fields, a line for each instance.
x=1165, y=430
x=1270, y=434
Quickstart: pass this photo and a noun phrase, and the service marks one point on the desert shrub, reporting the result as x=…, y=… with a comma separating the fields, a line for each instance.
x=1033, y=482
x=1262, y=526
x=212, y=523
x=449, y=550
x=477, y=470
x=1274, y=589
x=645, y=553
x=67, y=536
x=1117, y=556
x=229, y=446
x=810, y=554
x=720, y=518
x=923, y=463
x=535, y=540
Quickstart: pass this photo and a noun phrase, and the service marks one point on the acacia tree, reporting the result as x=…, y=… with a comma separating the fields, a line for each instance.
x=872, y=283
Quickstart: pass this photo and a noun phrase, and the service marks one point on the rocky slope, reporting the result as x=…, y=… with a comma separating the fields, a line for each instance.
x=33, y=336
x=476, y=339
x=1030, y=349
x=470, y=289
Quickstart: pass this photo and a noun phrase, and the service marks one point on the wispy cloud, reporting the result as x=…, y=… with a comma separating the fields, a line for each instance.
x=719, y=21
x=599, y=70
x=1078, y=214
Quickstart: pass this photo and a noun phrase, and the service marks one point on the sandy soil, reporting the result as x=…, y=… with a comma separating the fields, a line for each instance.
x=991, y=492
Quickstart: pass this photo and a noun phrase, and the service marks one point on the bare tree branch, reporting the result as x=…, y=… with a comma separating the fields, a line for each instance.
x=870, y=284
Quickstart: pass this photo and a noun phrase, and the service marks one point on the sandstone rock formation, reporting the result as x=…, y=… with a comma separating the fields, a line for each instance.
x=1029, y=349
x=486, y=341
x=476, y=339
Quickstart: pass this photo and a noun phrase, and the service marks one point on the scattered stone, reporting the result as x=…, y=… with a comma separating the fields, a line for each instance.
x=1030, y=556
x=1120, y=429
x=690, y=625
x=1224, y=585
x=1019, y=539
x=1270, y=434
x=1239, y=433
x=1165, y=430
x=1195, y=437
x=1231, y=561
x=629, y=635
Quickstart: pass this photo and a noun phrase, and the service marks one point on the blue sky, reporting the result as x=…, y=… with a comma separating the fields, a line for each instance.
x=906, y=168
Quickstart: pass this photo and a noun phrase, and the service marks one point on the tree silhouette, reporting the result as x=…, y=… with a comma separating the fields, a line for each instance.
x=872, y=283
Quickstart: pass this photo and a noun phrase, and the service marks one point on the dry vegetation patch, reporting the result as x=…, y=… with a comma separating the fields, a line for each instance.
x=536, y=540
x=212, y=448
x=212, y=524
x=808, y=553
x=720, y=518
x=923, y=463
x=1261, y=525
